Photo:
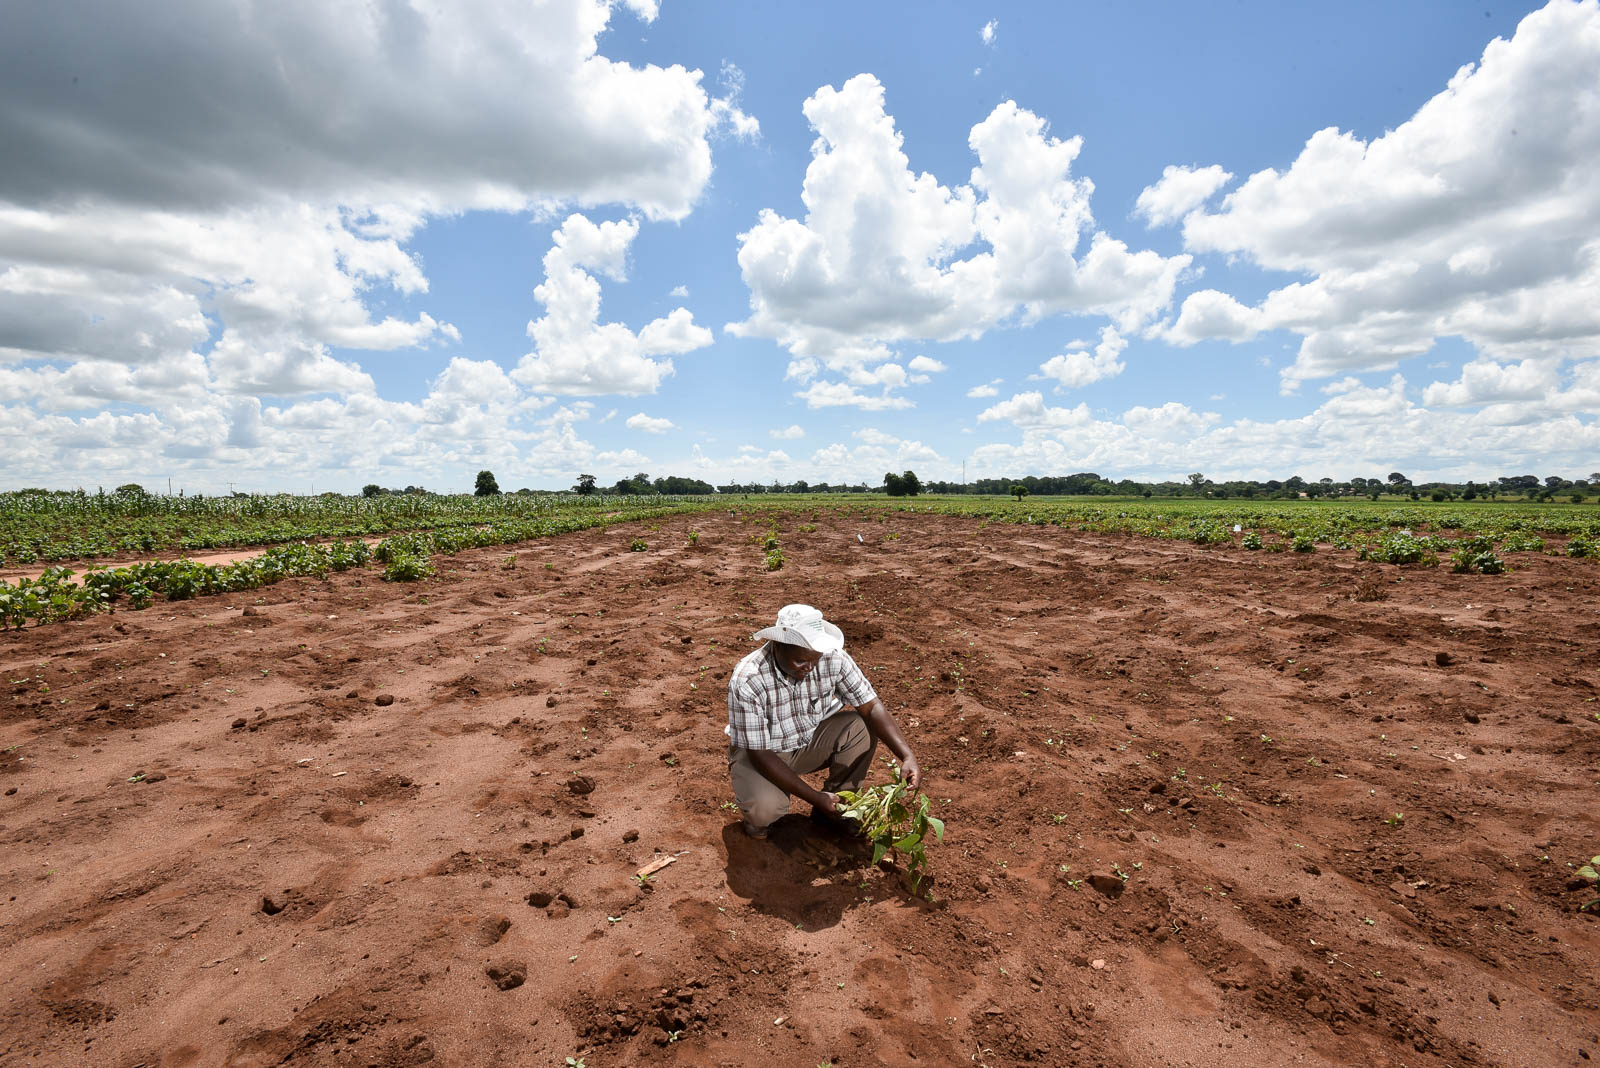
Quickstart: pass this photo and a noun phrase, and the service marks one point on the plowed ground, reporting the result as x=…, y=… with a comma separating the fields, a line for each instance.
x=335, y=881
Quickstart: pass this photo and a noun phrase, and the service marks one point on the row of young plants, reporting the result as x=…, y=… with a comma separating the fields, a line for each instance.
x=54, y=596
x=1387, y=534
x=1327, y=522
x=57, y=527
x=1471, y=540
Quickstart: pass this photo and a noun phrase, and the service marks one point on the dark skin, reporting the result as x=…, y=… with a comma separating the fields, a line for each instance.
x=797, y=662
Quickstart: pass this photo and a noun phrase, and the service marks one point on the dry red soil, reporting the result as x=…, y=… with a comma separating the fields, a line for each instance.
x=221, y=843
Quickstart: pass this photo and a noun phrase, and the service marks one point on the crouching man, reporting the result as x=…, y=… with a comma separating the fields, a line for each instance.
x=799, y=704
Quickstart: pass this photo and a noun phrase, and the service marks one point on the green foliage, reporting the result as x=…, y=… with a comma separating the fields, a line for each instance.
x=895, y=820
x=54, y=597
x=486, y=486
x=1251, y=540
x=1400, y=548
x=1019, y=491
x=407, y=567
x=774, y=559
x=1579, y=547
x=371, y=490
x=637, y=545
x=1303, y=543
x=694, y=537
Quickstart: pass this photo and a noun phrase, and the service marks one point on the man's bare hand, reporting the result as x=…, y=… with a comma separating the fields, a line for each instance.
x=911, y=771
x=830, y=803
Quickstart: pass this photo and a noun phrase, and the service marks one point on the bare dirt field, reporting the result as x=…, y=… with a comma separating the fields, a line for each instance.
x=1205, y=806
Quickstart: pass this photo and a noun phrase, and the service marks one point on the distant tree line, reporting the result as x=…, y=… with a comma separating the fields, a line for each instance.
x=1084, y=483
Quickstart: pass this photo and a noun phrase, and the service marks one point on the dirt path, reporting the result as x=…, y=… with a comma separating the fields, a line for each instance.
x=218, y=848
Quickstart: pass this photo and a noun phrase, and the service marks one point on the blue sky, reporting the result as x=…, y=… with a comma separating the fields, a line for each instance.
x=325, y=245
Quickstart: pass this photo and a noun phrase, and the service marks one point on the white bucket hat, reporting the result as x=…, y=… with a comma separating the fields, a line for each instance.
x=802, y=625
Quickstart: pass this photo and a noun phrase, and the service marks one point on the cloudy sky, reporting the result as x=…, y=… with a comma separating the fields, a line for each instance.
x=315, y=244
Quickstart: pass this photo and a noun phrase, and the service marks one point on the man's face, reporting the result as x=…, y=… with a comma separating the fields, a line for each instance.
x=796, y=661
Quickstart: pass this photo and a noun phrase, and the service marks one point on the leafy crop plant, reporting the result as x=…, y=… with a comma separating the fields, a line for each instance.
x=896, y=822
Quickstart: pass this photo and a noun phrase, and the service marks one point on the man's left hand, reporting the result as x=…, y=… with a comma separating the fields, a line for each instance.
x=911, y=771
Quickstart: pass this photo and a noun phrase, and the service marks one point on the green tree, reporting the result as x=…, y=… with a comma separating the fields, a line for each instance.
x=894, y=485
x=1019, y=491
x=912, y=483
x=129, y=489
x=585, y=484
x=372, y=489
x=487, y=486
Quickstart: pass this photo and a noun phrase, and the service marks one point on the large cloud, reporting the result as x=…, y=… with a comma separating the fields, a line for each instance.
x=201, y=202
x=1358, y=430
x=573, y=351
x=885, y=255
x=1476, y=218
x=209, y=104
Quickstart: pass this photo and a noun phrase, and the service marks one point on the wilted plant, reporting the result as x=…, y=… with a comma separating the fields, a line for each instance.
x=896, y=821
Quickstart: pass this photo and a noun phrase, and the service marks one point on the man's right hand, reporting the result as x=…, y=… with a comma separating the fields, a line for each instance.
x=830, y=803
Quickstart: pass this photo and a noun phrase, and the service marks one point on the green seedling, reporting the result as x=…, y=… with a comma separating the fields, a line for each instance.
x=637, y=545
x=1396, y=820
x=895, y=819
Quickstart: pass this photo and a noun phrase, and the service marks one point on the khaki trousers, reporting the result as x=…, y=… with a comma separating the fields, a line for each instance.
x=842, y=742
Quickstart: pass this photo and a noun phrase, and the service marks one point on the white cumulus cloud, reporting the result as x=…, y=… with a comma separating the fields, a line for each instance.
x=1080, y=367
x=650, y=424
x=574, y=353
x=1180, y=191
x=1474, y=218
x=885, y=254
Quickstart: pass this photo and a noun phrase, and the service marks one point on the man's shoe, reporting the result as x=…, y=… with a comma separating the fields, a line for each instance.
x=752, y=831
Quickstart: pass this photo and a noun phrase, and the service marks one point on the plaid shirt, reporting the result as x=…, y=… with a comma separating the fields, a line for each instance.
x=767, y=710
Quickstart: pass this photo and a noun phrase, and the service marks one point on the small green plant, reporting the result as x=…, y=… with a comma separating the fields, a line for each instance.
x=1579, y=546
x=578, y=1063
x=1398, y=819
x=509, y=563
x=1303, y=543
x=1251, y=540
x=407, y=567
x=694, y=537
x=1402, y=547
x=895, y=820
x=775, y=559
x=637, y=545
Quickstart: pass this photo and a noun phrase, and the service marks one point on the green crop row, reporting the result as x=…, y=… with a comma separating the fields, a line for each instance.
x=54, y=597
x=47, y=528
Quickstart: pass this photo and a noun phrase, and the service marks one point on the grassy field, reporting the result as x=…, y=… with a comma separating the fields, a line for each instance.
x=318, y=535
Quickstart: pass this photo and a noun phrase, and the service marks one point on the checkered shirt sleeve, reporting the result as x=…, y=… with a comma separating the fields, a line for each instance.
x=768, y=711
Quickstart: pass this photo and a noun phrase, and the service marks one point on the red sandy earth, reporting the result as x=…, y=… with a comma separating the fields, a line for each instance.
x=332, y=882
